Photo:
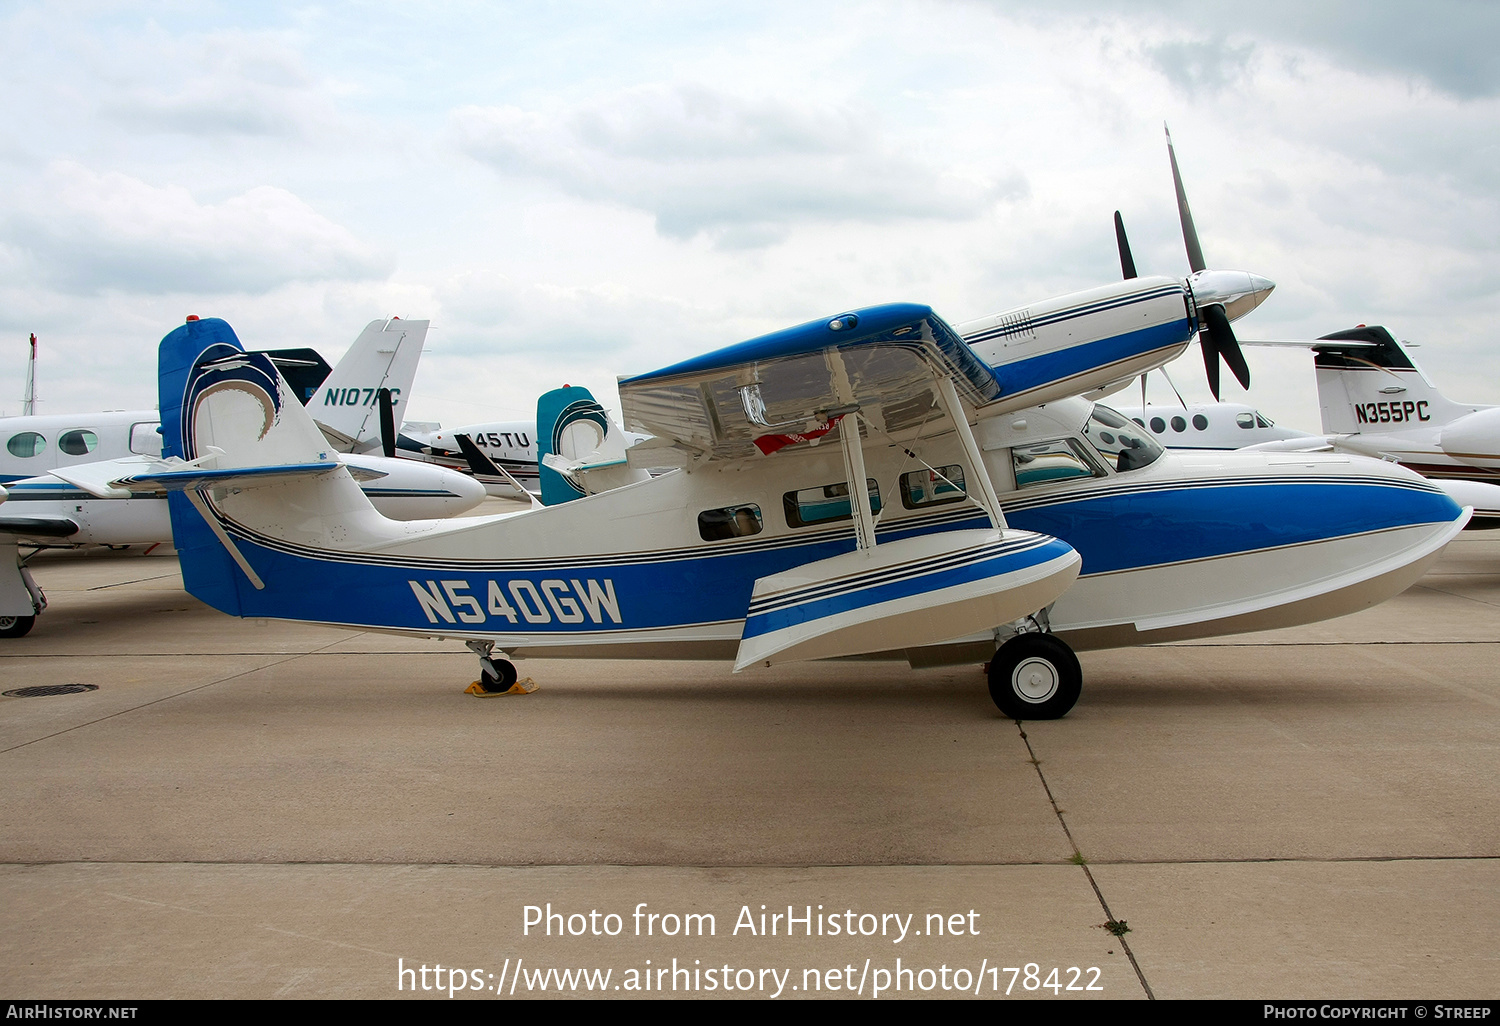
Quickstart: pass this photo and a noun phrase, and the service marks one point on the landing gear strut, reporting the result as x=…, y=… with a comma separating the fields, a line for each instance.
x=496, y=673
x=1035, y=676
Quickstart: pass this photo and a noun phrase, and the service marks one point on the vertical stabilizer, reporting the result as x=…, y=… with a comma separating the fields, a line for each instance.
x=1368, y=383
x=579, y=450
x=223, y=409
x=385, y=355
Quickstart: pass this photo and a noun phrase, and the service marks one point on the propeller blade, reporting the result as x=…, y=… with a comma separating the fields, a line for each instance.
x=387, y=423
x=479, y=463
x=1227, y=345
x=1189, y=232
x=1210, y=360
x=1127, y=262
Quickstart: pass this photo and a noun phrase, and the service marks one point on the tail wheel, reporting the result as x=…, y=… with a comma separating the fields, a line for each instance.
x=16, y=626
x=1035, y=677
x=497, y=674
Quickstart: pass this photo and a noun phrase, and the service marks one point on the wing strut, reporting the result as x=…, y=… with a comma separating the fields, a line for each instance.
x=859, y=494
x=196, y=498
x=987, y=497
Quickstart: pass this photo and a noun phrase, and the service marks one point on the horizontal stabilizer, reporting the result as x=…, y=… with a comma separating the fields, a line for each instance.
x=182, y=480
x=1308, y=443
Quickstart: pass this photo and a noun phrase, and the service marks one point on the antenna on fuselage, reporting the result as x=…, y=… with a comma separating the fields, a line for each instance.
x=28, y=404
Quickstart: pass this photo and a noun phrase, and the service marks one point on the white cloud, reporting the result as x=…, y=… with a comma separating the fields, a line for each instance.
x=745, y=171
x=84, y=232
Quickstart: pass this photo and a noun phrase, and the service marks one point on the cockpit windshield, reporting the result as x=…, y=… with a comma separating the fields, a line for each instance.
x=1125, y=445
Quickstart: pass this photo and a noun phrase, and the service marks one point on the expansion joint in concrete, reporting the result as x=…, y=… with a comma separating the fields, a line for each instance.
x=1113, y=925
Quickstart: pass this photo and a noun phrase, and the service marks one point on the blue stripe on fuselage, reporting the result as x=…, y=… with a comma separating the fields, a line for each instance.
x=1112, y=532
x=1048, y=368
x=1134, y=530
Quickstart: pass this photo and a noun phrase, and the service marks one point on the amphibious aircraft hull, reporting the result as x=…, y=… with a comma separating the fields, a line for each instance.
x=1175, y=551
x=1183, y=546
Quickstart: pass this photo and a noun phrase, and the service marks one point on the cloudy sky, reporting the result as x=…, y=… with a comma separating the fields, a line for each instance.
x=574, y=191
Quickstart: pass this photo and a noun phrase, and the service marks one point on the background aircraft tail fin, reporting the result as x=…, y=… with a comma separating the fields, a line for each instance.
x=385, y=355
x=1368, y=383
x=579, y=450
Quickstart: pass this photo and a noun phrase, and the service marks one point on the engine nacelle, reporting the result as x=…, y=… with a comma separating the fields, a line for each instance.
x=1474, y=439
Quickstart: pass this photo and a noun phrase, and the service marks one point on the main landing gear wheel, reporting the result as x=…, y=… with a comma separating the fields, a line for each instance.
x=1035, y=677
x=497, y=675
x=16, y=626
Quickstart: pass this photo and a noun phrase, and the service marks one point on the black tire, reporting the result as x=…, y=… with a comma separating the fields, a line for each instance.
x=497, y=674
x=16, y=626
x=1035, y=677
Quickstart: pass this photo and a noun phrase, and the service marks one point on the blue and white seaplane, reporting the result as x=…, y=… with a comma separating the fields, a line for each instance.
x=865, y=484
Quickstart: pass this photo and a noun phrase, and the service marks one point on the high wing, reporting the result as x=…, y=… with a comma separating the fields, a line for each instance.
x=791, y=386
x=895, y=368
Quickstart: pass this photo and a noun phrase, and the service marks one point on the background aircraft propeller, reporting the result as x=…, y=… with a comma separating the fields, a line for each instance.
x=1127, y=262
x=387, y=423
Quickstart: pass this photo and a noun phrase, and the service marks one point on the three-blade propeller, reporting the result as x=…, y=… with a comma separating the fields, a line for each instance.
x=1215, y=336
x=1218, y=295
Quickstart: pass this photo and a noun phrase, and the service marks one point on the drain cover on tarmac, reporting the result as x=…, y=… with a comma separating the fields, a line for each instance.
x=45, y=690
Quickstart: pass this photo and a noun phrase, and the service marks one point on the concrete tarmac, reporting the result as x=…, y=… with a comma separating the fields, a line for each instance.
x=253, y=809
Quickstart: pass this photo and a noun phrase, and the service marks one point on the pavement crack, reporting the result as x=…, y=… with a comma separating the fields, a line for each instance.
x=158, y=701
x=1458, y=595
x=139, y=580
x=1114, y=926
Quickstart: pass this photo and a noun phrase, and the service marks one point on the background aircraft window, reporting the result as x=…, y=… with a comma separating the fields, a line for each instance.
x=1262, y=420
x=1245, y=420
x=78, y=443
x=1139, y=421
x=145, y=439
x=1200, y=422
x=924, y=488
x=1129, y=449
x=1178, y=424
x=1050, y=462
x=825, y=503
x=1158, y=425
x=25, y=444
x=730, y=522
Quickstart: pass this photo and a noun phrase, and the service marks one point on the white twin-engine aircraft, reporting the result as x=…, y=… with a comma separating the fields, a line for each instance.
x=1376, y=401
x=57, y=469
x=510, y=446
x=980, y=526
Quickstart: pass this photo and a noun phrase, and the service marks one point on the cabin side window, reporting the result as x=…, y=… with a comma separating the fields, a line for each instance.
x=146, y=439
x=26, y=444
x=730, y=522
x=825, y=503
x=79, y=442
x=1245, y=420
x=933, y=487
x=1050, y=462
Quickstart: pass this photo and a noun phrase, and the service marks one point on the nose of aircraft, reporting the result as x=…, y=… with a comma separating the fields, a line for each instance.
x=1260, y=288
x=1238, y=292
